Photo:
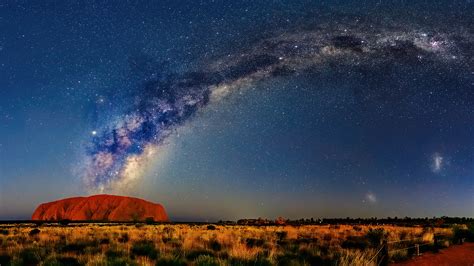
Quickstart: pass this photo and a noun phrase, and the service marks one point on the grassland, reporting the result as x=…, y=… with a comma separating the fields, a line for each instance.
x=185, y=244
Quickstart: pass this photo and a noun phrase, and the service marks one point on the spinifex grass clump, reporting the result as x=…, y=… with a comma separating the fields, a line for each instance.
x=144, y=248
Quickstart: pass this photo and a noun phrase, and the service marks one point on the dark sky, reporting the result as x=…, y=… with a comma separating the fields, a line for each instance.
x=235, y=109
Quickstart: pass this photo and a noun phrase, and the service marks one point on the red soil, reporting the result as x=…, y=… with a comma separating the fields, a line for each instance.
x=454, y=255
x=100, y=208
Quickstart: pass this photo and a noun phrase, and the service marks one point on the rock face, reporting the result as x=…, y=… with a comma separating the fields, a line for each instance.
x=100, y=208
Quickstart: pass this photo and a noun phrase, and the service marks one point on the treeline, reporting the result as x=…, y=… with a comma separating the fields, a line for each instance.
x=406, y=221
x=443, y=221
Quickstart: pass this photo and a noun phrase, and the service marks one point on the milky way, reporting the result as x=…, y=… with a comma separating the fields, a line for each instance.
x=120, y=150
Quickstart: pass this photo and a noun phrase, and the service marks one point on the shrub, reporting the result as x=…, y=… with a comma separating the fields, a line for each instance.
x=305, y=240
x=327, y=237
x=375, y=236
x=93, y=249
x=356, y=242
x=211, y=227
x=38, y=223
x=357, y=228
x=120, y=262
x=174, y=242
x=289, y=259
x=194, y=254
x=4, y=232
x=256, y=262
x=206, y=260
x=62, y=261
x=149, y=220
x=403, y=235
x=104, y=241
x=461, y=234
x=64, y=222
x=144, y=248
x=34, y=232
x=470, y=227
x=117, y=258
x=113, y=253
x=123, y=238
x=29, y=256
x=254, y=242
x=80, y=246
x=399, y=255
x=215, y=245
x=281, y=235
x=168, y=230
x=175, y=261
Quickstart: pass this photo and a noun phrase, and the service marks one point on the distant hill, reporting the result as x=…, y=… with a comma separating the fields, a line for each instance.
x=100, y=208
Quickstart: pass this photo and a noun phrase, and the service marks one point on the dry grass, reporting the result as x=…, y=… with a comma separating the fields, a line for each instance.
x=180, y=244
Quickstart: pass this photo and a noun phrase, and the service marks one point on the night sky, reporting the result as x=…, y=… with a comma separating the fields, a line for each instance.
x=240, y=109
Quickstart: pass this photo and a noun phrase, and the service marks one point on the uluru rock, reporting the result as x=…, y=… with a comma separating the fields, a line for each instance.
x=100, y=208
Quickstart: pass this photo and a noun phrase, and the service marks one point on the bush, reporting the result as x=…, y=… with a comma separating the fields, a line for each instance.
x=256, y=262
x=194, y=254
x=375, y=236
x=174, y=242
x=144, y=248
x=289, y=259
x=403, y=235
x=38, y=223
x=104, y=241
x=175, y=261
x=34, y=232
x=120, y=262
x=305, y=240
x=357, y=228
x=206, y=260
x=254, y=242
x=80, y=246
x=149, y=220
x=215, y=245
x=64, y=222
x=123, y=238
x=117, y=258
x=399, y=255
x=4, y=232
x=470, y=227
x=356, y=242
x=211, y=227
x=281, y=235
x=462, y=234
x=30, y=256
x=62, y=261
x=113, y=253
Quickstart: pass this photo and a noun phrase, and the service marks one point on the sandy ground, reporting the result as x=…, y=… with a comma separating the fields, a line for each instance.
x=452, y=256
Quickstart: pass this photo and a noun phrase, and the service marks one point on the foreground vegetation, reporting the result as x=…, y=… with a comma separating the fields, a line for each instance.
x=187, y=244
